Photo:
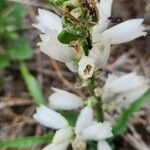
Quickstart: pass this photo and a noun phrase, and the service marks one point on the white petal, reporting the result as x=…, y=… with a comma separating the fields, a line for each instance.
x=99, y=131
x=84, y=120
x=72, y=66
x=49, y=118
x=62, y=135
x=125, y=32
x=54, y=49
x=126, y=83
x=64, y=100
x=86, y=67
x=107, y=94
x=61, y=146
x=48, y=21
x=103, y=145
x=125, y=99
x=104, y=9
x=100, y=53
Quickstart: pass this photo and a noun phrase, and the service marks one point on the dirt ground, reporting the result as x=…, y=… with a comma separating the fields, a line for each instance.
x=16, y=117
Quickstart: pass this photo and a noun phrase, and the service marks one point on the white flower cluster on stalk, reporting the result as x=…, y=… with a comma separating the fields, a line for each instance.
x=123, y=90
x=86, y=127
x=102, y=38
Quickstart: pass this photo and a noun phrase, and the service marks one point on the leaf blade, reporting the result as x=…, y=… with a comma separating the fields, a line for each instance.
x=32, y=85
x=121, y=124
x=25, y=142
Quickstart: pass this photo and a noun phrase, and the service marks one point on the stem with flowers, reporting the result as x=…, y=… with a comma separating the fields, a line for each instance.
x=98, y=104
x=81, y=40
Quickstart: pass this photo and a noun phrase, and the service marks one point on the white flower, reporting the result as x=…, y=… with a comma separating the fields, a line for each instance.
x=100, y=53
x=84, y=120
x=103, y=145
x=125, y=32
x=103, y=38
x=58, y=146
x=49, y=118
x=50, y=25
x=86, y=67
x=85, y=129
x=98, y=131
x=54, y=49
x=125, y=89
x=64, y=100
x=48, y=21
x=104, y=12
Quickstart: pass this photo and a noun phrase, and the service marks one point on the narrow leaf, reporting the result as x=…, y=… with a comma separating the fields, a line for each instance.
x=32, y=85
x=25, y=142
x=121, y=124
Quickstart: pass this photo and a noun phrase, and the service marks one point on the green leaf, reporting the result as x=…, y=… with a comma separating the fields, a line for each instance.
x=3, y=5
x=19, y=49
x=25, y=142
x=4, y=60
x=71, y=32
x=121, y=124
x=57, y=2
x=66, y=37
x=32, y=85
x=70, y=116
x=16, y=16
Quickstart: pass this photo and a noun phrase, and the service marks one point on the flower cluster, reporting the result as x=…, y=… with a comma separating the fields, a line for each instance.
x=85, y=46
x=102, y=38
x=86, y=128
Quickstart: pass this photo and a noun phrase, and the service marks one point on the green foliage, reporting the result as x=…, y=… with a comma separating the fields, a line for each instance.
x=19, y=49
x=25, y=142
x=2, y=5
x=121, y=124
x=32, y=85
x=70, y=116
x=71, y=31
x=12, y=44
x=4, y=60
x=17, y=15
x=57, y=2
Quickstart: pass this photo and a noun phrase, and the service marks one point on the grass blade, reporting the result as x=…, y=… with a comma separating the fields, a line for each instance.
x=121, y=124
x=25, y=142
x=32, y=85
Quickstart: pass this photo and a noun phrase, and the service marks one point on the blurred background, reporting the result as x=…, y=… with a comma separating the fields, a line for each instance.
x=27, y=75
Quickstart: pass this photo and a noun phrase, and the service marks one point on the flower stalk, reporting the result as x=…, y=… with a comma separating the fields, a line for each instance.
x=81, y=39
x=98, y=104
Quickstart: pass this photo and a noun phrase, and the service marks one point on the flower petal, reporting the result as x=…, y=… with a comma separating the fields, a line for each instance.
x=61, y=146
x=103, y=145
x=100, y=53
x=97, y=131
x=124, y=100
x=86, y=67
x=54, y=49
x=72, y=66
x=125, y=32
x=49, y=118
x=84, y=120
x=104, y=9
x=48, y=21
x=62, y=135
x=129, y=81
x=64, y=100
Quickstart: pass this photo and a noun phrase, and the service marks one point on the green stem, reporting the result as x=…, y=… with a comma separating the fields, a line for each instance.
x=98, y=106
